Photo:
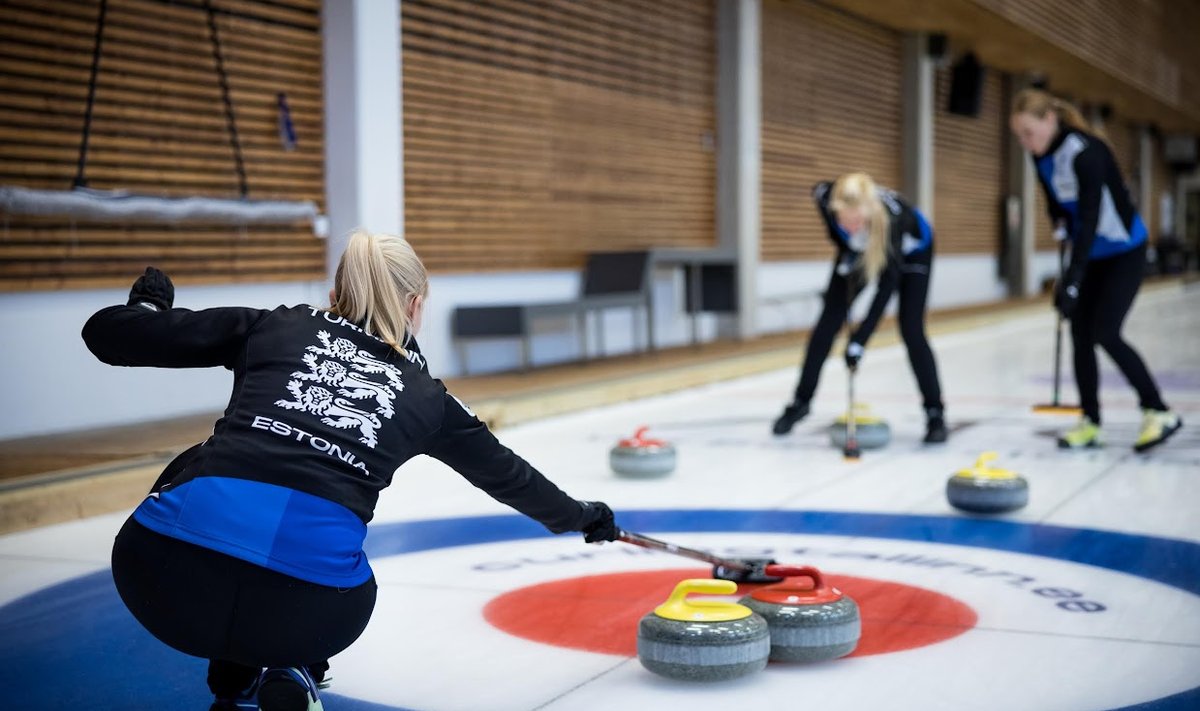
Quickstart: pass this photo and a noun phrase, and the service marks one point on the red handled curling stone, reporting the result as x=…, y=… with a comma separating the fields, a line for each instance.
x=703, y=640
x=809, y=621
x=641, y=457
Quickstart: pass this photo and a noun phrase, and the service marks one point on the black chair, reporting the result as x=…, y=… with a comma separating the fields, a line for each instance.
x=611, y=280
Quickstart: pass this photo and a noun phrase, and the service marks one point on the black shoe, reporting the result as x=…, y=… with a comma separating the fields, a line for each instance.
x=288, y=689
x=935, y=426
x=791, y=415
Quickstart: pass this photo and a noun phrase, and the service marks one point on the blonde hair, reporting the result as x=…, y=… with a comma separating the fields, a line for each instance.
x=377, y=280
x=858, y=192
x=1039, y=103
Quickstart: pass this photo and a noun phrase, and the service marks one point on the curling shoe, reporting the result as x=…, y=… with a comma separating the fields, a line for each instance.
x=1084, y=435
x=288, y=689
x=792, y=414
x=1157, y=427
x=935, y=426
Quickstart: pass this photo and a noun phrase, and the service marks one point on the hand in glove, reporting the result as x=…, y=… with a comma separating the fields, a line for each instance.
x=1066, y=296
x=598, y=523
x=854, y=353
x=153, y=289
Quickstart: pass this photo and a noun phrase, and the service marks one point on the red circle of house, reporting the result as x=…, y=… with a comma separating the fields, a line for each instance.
x=600, y=613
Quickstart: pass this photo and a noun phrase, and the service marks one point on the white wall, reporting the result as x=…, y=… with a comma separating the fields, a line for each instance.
x=1045, y=266
x=965, y=279
x=554, y=341
x=55, y=385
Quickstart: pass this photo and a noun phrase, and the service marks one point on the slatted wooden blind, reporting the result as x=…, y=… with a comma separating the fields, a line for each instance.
x=1123, y=140
x=1043, y=229
x=158, y=129
x=536, y=131
x=831, y=105
x=969, y=169
x=1147, y=43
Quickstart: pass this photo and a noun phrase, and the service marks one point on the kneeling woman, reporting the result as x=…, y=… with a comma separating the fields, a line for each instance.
x=248, y=550
x=879, y=238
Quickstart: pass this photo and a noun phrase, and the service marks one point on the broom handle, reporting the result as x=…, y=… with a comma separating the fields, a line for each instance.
x=851, y=425
x=1062, y=251
x=638, y=539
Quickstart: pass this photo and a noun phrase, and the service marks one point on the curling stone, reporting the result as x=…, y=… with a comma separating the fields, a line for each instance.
x=809, y=620
x=987, y=489
x=703, y=640
x=870, y=431
x=641, y=457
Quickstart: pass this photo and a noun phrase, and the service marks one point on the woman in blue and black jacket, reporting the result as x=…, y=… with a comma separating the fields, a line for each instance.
x=1088, y=199
x=879, y=238
x=248, y=550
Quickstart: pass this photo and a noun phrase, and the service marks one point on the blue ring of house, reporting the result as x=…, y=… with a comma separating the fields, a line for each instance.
x=73, y=644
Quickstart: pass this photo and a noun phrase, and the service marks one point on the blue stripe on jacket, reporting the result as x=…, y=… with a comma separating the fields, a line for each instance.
x=278, y=528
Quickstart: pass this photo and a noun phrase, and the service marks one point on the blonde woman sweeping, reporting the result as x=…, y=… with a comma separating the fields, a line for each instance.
x=1088, y=198
x=880, y=238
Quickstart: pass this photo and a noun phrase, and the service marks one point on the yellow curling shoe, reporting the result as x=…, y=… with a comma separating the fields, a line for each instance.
x=1084, y=435
x=1157, y=426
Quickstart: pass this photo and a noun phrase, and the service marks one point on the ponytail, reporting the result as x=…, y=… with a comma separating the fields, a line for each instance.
x=1039, y=103
x=857, y=191
x=377, y=280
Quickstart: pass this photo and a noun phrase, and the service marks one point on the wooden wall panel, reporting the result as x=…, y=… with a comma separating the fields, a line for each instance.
x=1123, y=140
x=159, y=128
x=969, y=169
x=831, y=87
x=1149, y=44
x=536, y=132
x=1043, y=229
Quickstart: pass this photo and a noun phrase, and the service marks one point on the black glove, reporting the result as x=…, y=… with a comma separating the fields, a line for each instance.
x=598, y=524
x=154, y=288
x=854, y=353
x=1066, y=296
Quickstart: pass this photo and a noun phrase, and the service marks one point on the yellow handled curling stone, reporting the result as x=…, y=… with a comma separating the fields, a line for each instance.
x=703, y=640
x=871, y=432
x=987, y=489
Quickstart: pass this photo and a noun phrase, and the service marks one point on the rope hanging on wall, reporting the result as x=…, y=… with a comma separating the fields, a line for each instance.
x=84, y=202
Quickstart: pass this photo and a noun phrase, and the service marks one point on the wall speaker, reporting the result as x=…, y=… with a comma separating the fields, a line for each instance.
x=935, y=46
x=966, y=86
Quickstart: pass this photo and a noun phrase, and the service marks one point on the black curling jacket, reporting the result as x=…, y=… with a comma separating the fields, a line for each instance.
x=1084, y=189
x=320, y=417
x=910, y=241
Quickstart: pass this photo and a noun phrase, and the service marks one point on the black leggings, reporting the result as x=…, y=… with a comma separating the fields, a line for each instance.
x=240, y=616
x=914, y=290
x=1105, y=297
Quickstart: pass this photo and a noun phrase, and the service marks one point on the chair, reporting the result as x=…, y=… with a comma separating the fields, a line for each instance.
x=610, y=280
